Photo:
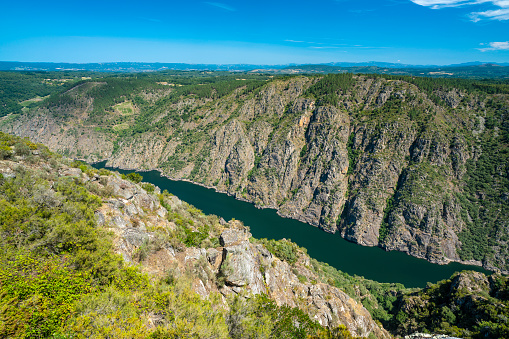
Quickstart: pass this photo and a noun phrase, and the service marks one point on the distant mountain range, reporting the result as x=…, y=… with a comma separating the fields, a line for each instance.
x=475, y=70
x=397, y=65
x=127, y=66
x=466, y=71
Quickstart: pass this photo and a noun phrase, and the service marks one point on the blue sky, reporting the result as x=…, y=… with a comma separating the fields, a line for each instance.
x=256, y=32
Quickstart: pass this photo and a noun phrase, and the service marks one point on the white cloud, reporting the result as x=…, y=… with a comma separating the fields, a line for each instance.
x=501, y=11
x=502, y=3
x=496, y=46
x=324, y=47
x=437, y=4
x=221, y=5
x=497, y=14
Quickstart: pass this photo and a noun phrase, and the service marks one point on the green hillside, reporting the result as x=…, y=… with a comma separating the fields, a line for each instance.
x=434, y=150
x=64, y=273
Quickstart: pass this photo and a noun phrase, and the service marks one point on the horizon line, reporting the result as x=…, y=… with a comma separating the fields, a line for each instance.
x=331, y=63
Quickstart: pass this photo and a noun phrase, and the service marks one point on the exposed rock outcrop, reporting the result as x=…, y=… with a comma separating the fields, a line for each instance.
x=386, y=166
x=247, y=268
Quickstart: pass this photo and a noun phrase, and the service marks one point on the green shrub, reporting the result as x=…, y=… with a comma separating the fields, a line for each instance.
x=148, y=187
x=283, y=249
x=134, y=177
x=21, y=148
x=38, y=294
x=5, y=152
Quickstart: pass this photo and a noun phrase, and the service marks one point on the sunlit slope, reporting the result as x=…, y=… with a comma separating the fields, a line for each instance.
x=410, y=164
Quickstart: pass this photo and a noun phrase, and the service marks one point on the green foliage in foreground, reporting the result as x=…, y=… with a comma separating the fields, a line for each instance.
x=283, y=249
x=476, y=309
x=377, y=298
x=10, y=145
x=59, y=277
x=261, y=317
x=463, y=306
x=37, y=293
x=134, y=177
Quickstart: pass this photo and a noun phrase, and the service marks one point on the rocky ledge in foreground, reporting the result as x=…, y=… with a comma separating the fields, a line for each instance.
x=237, y=265
x=64, y=213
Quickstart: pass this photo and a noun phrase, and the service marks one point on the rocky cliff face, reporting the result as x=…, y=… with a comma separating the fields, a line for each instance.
x=138, y=220
x=149, y=227
x=387, y=164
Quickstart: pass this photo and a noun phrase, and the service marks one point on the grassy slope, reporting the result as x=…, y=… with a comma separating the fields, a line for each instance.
x=60, y=278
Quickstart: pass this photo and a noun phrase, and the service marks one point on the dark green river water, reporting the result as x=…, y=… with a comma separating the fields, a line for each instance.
x=370, y=262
